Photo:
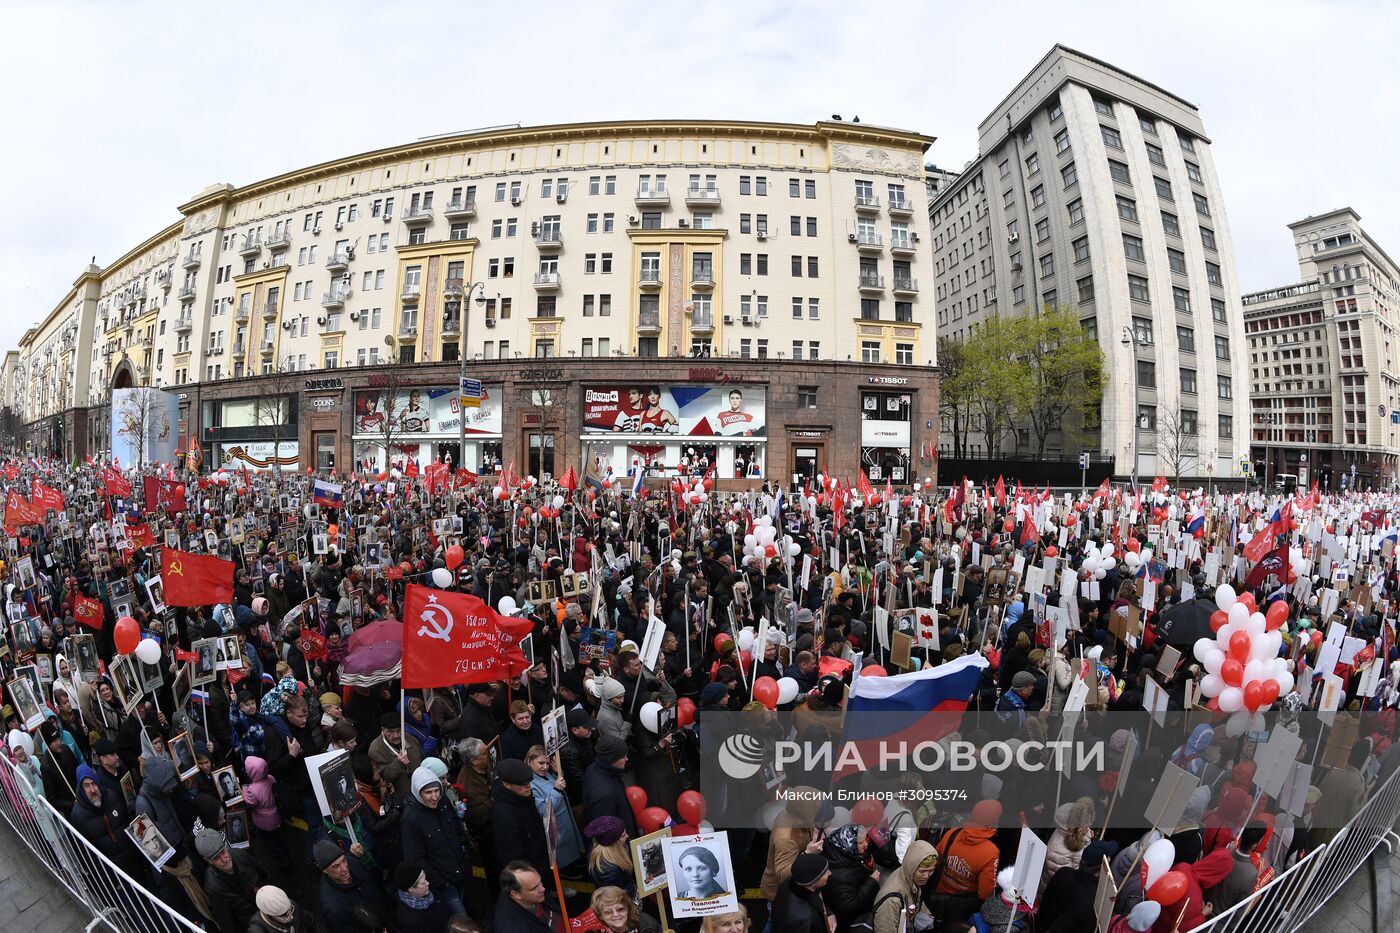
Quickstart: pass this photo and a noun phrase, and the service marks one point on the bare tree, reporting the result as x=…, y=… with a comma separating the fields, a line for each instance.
x=397, y=413
x=141, y=415
x=542, y=399
x=1177, y=441
x=272, y=409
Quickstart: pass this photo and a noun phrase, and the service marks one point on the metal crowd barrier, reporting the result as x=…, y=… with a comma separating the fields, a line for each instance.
x=1298, y=893
x=116, y=901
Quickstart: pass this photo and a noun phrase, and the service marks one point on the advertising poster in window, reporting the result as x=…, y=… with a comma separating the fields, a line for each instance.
x=680, y=410
x=425, y=411
x=145, y=425
x=258, y=455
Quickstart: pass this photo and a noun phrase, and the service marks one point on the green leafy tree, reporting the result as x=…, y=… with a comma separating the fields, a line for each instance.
x=997, y=383
x=954, y=402
x=1063, y=372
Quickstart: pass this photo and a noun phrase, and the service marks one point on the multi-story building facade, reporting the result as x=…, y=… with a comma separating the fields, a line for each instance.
x=1095, y=190
x=1324, y=387
x=588, y=259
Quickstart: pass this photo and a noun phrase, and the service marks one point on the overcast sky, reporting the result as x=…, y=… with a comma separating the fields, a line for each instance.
x=115, y=113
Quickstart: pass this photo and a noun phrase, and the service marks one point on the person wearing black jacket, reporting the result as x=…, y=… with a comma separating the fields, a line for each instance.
x=345, y=885
x=604, y=794
x=851, y=891
x=523, y=906
x=478, y=720
x=102, y=817
x=58, y=766
x=577, y=753
x=515, y=823
x=799, y=908
x=290, y=740
x=231, y=882
x=432, y=834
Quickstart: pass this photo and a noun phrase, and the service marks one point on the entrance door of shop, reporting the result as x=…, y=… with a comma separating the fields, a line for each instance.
x=324, y=445
x=541, y=456
x=807, y=462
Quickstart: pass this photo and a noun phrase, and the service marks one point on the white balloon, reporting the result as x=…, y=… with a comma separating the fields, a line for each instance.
x=1202, y=648
x=1239, y=615
x=1236, y=725
x=1131, y=560
x=794, y=549
x=1108, y=563
x=787, y=689
x=1091, y=563
x=1231, y=700
x=1285, y=683
x=1100, y=574
x=1211, y=685
x=506, y=606
x=442, y=577
x=746, y=639
x=1225, y=596
x=1212, y=661
x=148, y=651
x=1253, y=670
x=1256, y=624
x=1264, y=648
x=650, y=716
x=1094, y=653
x=1257, y=722
x=750, y=540
x=558, y=502
x=1158, y=859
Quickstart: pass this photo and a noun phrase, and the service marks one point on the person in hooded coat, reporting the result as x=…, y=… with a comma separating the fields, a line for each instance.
x=791, y=835
x=900, y=896
x=612, y=722
x=850, y=892
x=432, y=834
x=102, y=817
x=156, y=801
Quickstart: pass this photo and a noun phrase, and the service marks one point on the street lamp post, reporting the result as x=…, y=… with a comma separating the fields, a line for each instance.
x=1130, y=340
x=462, y=367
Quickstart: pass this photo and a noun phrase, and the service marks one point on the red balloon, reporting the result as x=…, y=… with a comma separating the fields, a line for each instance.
x=1169, y=889
x=127, y=635
x=454, y=557
x=868, y=812
x=1253, y=696
x=1316, y=638
x=765, y=691
x=651, y=819
x=1270, y=690
x=746, y=661
x=1239, y=646
x=720, y=641
x=691, y=806
x=1218, y=619
x=1247, y=600
x=1276, y=616
x=1232, y=672
x=873, y=670
x=685, y=711
x=637, y=798
x=1134, y=545
x=1052, y=551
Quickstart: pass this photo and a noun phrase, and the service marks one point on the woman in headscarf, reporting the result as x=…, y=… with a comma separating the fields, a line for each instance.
x=64, y=679
x=419, y=724
x=851, y=891
x=1073, y=831
x=99, y=703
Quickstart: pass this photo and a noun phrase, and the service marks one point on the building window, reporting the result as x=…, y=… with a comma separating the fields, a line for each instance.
x=1181, y=299
x=1111, y=137
x=1213, y=273
x=1137, y=288
x=1217, y=310
x=1169, y=224
x=1086, y=289
x=1208, y=238
x=1042, y=230
x=1147, y=418
x=1188, y=381
x=1103, y=106
x=1222, y=348
x=1033, y=164
x=1185, y=340
x=1226, y=426
x=1202, y=205
x=1118, y=171
x=1038, y=196
x=870, y=351
x=1148, y=126
x=870, y=309
x=806, y=396
x=1047, y=265
x=1164, y=188
x=1127, y=209
x=1056, y=111
x=1076, y=211
x=1176, y=260
x=1193, y=172
x=1061, y=141
x=904, y=354
x=1005, y=167
x=1070, y=176
x=1189, y=422
x=1142, y=330
x=1132, y=247
x=1223, y=387
x=1155, y=156
x=1081, y=249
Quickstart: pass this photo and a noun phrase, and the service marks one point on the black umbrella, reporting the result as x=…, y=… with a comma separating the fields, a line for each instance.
x=1184, y=623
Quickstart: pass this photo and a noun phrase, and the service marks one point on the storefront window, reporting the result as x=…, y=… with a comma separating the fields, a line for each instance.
x=325, y=451
x=884, y=435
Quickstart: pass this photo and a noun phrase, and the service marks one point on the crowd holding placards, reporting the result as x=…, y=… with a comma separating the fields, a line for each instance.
x=442, y=702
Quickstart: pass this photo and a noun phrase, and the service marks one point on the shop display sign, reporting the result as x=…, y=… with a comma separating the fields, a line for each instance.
x=429, y=412
x=681, y=410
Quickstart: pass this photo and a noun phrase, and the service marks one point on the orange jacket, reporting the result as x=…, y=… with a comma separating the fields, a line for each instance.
x=969, y=862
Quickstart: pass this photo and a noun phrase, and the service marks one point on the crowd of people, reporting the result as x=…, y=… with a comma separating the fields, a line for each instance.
x=460, y=813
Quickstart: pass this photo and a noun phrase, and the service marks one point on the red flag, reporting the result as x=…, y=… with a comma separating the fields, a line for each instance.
x=451, y=638
x=864, y=488
x=87, y=611
x=163, y=495
x=435, y=475
x=569, y=480
x=140, y=535
x=312, y=645
x=463, y=477
x=1159, y=484
x=46, y=497
x=1273, y=564
x=1102, y=491
x=1028, y=530
x=20, y=511
x=195, y=579
x=1001, y=492
x=1260, y=544
x=186, y=657
x=411, y=470
x=115, y=483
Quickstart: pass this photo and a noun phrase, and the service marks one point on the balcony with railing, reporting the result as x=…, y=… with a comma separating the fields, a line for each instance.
x=270, y=311
x=418, y=216
x=547, y=281
x=451, y=326
x=411, y=292
x=452, y=289
x=872, y=282
x=702, y=195
x=240, y=349
x=549, y=238
x=653, y=195
x=279, y=241
x=905, y=285
x=901, y=207
x=1276, y=294
x=648, y=322
x=186, y=293
x=184, y=323
x=867, y=204
x=190, y=261
x=702, y=322
x=338, y=261
x=241, y=316
x=250, y=248
x=904, y=245
x=460, y=209
x=335, y=298
x=702, y=275
x=649, y=278
x=869, y=242
x=267, y=347
x=408, y=330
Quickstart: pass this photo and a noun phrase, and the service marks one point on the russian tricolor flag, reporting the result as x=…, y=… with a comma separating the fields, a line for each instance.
x=331, y=495
x=199, y=697
x=1197, y=524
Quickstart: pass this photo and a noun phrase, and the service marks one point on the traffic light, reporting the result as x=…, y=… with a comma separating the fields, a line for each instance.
x=1084, y=460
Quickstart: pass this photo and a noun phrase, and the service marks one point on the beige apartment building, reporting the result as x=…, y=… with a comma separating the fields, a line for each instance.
x=1324, y=387
x=1095, y=190
x=587, y=259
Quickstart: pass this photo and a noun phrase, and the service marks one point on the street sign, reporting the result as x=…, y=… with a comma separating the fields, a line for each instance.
x=471, y=393
x=1244, y=468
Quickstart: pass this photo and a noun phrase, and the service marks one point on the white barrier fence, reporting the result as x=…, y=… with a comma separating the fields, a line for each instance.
x=1292, y=898
x=116, y=900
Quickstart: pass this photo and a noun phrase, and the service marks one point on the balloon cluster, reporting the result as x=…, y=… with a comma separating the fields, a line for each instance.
x=774, y=693
x=1159, y=881
x=693, y=495
x=764, y=544
x=1244, y=673
x=1097, y=563
x=690, y=805
x=129, y=639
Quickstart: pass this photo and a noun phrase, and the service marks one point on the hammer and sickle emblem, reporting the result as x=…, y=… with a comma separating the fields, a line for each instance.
x=438, y=630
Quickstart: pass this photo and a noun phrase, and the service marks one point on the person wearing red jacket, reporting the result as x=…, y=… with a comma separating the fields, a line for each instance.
x=969, y=856
x=1206, y=873
x=1225, y=820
